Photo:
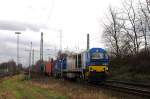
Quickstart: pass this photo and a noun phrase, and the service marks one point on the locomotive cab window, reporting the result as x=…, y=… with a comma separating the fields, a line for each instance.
x=106, y=56
x=97, y=55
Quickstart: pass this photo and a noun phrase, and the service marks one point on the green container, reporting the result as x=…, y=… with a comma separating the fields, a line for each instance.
x=42, y=67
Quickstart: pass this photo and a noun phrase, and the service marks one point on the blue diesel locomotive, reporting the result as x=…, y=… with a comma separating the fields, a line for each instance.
x=91, y=65
x=96, y=64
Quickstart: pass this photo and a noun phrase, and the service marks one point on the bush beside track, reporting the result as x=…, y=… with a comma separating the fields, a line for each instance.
x=131, y=68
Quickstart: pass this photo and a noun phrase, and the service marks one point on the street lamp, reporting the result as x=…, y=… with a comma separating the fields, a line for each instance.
x=17, y=47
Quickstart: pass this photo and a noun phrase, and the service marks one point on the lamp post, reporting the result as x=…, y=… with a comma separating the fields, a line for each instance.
x=17, y=47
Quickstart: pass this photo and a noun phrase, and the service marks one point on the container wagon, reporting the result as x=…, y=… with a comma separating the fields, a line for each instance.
x=49, y=67
x=60, y=65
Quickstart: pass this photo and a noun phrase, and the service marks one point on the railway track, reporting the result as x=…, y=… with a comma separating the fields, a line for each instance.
x=131, y=88
x=122, y=86
x=5, y=74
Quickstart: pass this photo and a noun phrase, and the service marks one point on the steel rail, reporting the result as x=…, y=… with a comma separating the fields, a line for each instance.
x=132, y=88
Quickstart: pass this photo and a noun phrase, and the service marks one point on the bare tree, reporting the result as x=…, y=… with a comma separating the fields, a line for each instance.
x=128, y=30
x=145, y=20
x=132, y=27
x=148, y=5
x=112, y=32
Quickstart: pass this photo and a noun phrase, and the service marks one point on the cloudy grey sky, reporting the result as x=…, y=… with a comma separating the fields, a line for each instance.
x=75, y=18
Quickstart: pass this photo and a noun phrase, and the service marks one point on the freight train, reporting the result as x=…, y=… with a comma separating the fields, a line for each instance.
x=90, y=65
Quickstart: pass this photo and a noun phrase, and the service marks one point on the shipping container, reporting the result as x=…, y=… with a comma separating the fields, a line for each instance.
x=40, y=66
x=49, y=67
x=61, y=63
x=58, y=65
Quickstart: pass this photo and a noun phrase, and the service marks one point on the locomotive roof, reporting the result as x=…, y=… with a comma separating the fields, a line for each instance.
x=97, y=50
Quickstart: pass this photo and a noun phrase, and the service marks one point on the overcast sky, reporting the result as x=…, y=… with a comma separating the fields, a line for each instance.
x=75, y=18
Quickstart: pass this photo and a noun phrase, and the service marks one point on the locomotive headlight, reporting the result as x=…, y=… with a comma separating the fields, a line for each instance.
x=106, y=68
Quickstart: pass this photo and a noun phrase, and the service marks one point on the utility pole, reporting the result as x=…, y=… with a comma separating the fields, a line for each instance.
x=33, y=57
x=77, y=60
x=88, y=41
x=30, y=60
x=60, y=46
x=77, y=50
x=33, y=50
x=17, y=47
x=41, y=47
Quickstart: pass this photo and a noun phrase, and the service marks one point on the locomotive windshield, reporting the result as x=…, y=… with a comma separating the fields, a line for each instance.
x=97, y=55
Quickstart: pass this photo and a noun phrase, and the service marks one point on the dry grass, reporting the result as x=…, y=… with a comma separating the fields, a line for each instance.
x=7, y=95
x=49, y=88
x=17, y=88
x=78, y=91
